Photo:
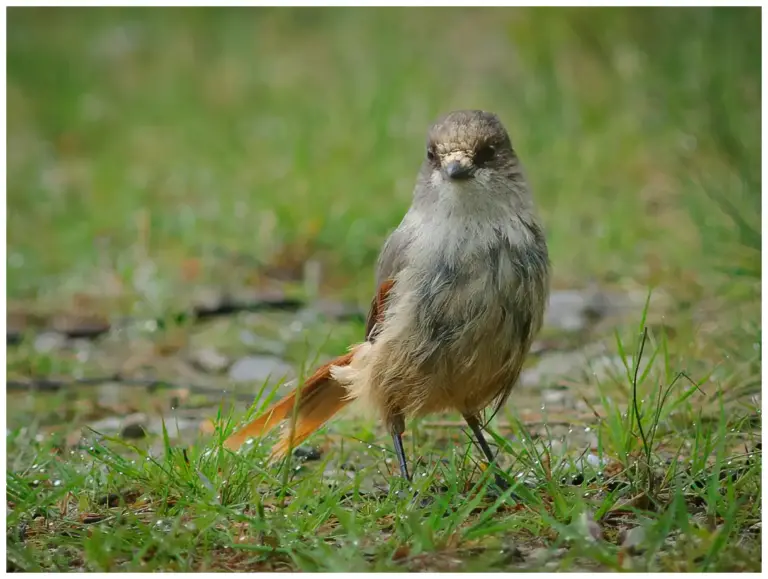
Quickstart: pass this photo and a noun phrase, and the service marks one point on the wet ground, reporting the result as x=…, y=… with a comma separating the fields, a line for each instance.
x=134, y=380
x=128, y=376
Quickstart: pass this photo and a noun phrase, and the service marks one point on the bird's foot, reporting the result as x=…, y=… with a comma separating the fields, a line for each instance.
x=405, y=489
x=500, y=487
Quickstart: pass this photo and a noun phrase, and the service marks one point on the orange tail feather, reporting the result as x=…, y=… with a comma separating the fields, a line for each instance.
x=320, y=398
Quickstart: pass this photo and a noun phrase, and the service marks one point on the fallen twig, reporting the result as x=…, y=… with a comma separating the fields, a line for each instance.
x=51, y=385
x=223, y=307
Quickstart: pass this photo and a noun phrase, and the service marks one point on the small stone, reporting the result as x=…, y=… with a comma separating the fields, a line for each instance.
x=554, y=397
x=593, y=461
x=207, y=298
x=554, y=366
x=510, y=555
x=210, y=360
x=262, y=345
x=108, y=424
x=589, y=528
x=307, y=453
x=127, y=425
x=566, y=310
x=82, y=349
x=591, y=362
x=575, y=310
x=576, y=480
x=632, y=540
x=50, y=341
x=133, y=430
x=80, y=325
x=259, y=368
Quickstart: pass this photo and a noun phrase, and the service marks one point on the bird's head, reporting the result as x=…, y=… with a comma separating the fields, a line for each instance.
x=468, y=147
x=471, y=168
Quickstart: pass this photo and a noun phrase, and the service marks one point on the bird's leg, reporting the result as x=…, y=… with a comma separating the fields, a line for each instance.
x=397, y=427
x=477, y=430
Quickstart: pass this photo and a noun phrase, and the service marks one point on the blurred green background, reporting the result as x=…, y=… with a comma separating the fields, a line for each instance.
x=157, y=155
x=151, y=151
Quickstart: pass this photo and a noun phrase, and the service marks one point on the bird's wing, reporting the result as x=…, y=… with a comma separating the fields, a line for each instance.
x=377, y=310
x=391, y=261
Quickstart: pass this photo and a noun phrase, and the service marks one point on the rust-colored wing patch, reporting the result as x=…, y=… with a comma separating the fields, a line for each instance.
x=378, y=309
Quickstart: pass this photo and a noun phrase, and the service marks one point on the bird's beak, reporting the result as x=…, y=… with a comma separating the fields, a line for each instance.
x=458, y=166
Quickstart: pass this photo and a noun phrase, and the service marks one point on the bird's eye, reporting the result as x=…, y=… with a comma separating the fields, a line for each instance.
x=484, y=154
x=431, y=155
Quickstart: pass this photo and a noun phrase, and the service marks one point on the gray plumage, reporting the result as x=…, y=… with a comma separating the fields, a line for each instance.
x=471, y=279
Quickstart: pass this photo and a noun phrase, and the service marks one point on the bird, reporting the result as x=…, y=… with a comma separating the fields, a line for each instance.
x=461, y=289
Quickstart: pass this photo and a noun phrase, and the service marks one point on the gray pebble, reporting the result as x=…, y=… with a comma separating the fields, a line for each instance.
x=50, y=341
x=210, y=360
x=259, y=368
x=133, y=430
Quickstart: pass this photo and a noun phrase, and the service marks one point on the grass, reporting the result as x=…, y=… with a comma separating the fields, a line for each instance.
x=197, y=506
x=154, y=153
